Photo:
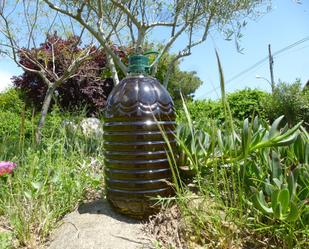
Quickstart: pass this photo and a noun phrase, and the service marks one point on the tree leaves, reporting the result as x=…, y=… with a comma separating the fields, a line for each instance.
x=86, y=87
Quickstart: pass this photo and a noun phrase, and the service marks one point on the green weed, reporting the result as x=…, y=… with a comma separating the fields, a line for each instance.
x=49, y=181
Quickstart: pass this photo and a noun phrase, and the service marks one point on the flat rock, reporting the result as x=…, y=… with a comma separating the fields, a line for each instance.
x=96, y=225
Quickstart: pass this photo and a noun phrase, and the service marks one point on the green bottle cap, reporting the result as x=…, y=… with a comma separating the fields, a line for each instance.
x=138, y=63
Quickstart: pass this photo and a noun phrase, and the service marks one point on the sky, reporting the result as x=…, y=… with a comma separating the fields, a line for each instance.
x=284, y=25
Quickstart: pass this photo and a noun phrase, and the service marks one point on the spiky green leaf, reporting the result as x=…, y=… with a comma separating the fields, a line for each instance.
x=274, y=127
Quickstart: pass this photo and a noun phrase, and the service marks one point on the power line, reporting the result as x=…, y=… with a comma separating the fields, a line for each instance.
x=262, y=61
x=291, y=46
x=266, y=58
x=293, y=51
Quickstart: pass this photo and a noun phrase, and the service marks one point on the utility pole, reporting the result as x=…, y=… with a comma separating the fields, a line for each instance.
x=271, y=62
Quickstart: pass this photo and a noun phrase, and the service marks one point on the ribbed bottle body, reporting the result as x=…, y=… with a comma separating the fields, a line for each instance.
x=136, y=162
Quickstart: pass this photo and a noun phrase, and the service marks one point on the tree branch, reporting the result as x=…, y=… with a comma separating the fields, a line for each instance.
x=168, y=45
x=171, y=66
x=98, y=35
x=154, y=24
x=112, y=67
x=128, y=13
x=187, y=51
x=28, y=22
x=129, y=24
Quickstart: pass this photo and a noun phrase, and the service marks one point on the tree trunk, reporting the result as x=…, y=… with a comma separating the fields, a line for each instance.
x=112, y=67
x=45, y=107
x=168, y=74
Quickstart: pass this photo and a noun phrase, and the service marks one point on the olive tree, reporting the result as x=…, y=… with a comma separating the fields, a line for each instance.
x=22, y=25
x=132, y=22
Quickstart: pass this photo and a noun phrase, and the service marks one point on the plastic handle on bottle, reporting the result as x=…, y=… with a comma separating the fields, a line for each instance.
x=149, y=52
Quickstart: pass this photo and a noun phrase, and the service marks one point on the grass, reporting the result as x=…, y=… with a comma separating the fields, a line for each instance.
x=5, y=240
x=49, y=181
x=247, y=187
x=251, y=184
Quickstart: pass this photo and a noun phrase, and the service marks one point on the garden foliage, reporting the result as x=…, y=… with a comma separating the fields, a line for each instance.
x=180, y=82
x=250, y=178
x=243, y=104
x=289, y=100
x=259, y=176
x=90, y=85
x=49, y=180
x=12, y=111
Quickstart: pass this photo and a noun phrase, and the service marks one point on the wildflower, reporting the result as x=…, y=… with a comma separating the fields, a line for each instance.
x=6, y=167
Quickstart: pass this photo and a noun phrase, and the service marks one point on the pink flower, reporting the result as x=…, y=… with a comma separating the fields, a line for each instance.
x=6, y=167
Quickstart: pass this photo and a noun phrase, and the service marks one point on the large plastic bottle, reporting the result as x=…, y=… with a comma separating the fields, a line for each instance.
x=136, y=163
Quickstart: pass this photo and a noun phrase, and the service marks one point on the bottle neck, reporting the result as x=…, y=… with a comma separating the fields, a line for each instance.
x=138, y=65
x=135, y=74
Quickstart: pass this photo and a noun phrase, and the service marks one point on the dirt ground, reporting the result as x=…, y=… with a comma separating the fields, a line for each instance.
x=95, y=225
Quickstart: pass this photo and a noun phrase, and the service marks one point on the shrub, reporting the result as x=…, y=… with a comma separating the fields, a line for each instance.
x=10, y=125
x=246, y=103
x=243, y=104
x=10, y=100
x=15, y=119
x=89, y=86
x=289, y=100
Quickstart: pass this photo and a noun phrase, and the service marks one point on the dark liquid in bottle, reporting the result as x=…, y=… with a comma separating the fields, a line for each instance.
x=136, y=163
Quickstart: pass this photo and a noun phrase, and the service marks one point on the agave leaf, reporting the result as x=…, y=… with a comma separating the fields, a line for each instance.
x=257, y=137
x=277, y=182
x=231, y=142
x=288, y=133
x=274, y=198
x=200, y=138
x=306, y=154
x=192, y=145
x=274, y=127
x=294, y=213
x=276, y=170
x=265, y=138
x=260, y=203
x=299, y=149
x=292, y=185
x=287, y=141
x=236, y=137
x=266, y=157
x=278, y=211
x=284, y=199
x=206, y=141
x=273, y=138
x=256, y=123
x=268, y=187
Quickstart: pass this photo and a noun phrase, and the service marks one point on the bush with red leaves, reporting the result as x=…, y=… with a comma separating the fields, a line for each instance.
x=89, y=87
